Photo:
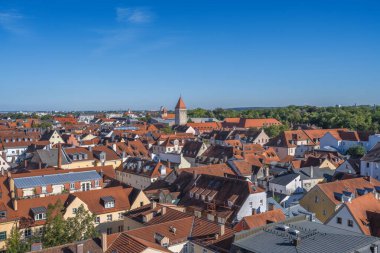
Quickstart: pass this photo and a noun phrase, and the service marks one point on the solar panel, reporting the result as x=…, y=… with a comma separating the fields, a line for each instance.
x=31, y=182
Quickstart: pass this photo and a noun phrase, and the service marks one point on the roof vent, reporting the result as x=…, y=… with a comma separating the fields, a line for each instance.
x=283, y=227
x=293, y=231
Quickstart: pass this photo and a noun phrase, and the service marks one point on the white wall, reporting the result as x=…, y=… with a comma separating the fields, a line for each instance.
x=259, y=202
x=345, y=215
x=370, y=169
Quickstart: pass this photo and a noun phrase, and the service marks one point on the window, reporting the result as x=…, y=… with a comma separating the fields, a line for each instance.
x=110, y=204
x=3, y=236
x=75, y=210
x=204, y=251
x=109, y=231
x=27, y=233
x=251, y=204
x=339, y=220
x=40, y=216
x=96, y=183
x=3, y=214
x=261, y=202
x=109, y=217
x=97, y=220
x=43, y=189
x=324, y=212
x=141, y=203
x=367, y=165
x=120, y=228
x=316, y=199
x=40, y=231
x=350, y=223
x=72, y=186
x=120, y=215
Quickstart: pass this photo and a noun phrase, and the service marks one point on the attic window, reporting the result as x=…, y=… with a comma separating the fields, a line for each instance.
x=108, y=202
x=39, y=213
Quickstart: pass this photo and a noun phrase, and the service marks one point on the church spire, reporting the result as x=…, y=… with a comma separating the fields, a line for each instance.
x=180, y=104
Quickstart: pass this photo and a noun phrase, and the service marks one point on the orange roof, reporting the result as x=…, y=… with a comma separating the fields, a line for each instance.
x=360, y=209
x=205, y=126
x=122, y=197
x=259, y=220
x=250, y=123
x=348, y=185
x=180, y=104
x=214, y=169
x=168, y=116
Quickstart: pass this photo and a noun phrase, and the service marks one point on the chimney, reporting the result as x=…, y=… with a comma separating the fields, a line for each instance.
x=25, y=163
x=194, y=174
x=79, y=248
x=59, y=163
x=221, y=229
x=311, y=171
x=296, y=241
x=169, y=164
x=104, y=242
x=114, y=147
x=106, y=142
x=254, y=211
x=154, y=204
x=163, y=210
x=266, y=171
x=270, y=207
x=40, y=165
x=14, y=202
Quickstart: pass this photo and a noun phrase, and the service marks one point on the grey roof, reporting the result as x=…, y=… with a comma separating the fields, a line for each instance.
x=314, y=238
x=318, y=173
x=38, y=210
x=284, y=179
x=50, y=157
x=108, y=199
x=373, y=155
x=31, y=182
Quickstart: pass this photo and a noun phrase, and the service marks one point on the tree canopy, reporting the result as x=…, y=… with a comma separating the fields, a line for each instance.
x=363, y=118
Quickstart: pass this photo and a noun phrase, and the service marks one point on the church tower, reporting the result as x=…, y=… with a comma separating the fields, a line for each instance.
x=180, y=112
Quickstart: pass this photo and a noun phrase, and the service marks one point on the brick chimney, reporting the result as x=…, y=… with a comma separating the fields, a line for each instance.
x=163, y=210
x=14, y=203
x=270, y=207
x=104, y=242
x=221, y=229
x=80, y=248
x=59, y=162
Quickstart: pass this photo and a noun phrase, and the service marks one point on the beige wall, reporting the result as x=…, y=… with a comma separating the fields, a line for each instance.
x=136, y=181
x=323, y=209
x=7, y=227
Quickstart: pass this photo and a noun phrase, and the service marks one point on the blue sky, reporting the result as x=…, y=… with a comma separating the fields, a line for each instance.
x=82, y=55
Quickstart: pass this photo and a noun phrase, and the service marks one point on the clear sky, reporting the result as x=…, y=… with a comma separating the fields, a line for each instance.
x=76, y=54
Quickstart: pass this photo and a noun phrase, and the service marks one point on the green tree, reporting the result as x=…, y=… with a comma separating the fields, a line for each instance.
x=166, y=130
x=275, y=130
x=81, y=226
x=55, y=229
x=15, y=244
x=356, y=151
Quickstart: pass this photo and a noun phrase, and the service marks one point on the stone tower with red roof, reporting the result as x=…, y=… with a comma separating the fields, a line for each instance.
x=180, y=112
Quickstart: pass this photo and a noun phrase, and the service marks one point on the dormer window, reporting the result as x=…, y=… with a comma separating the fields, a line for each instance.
x=108, y=202
x=39, y=213
x=3, y=214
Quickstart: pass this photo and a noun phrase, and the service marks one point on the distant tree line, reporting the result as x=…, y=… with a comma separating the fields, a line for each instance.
x=361, y=118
